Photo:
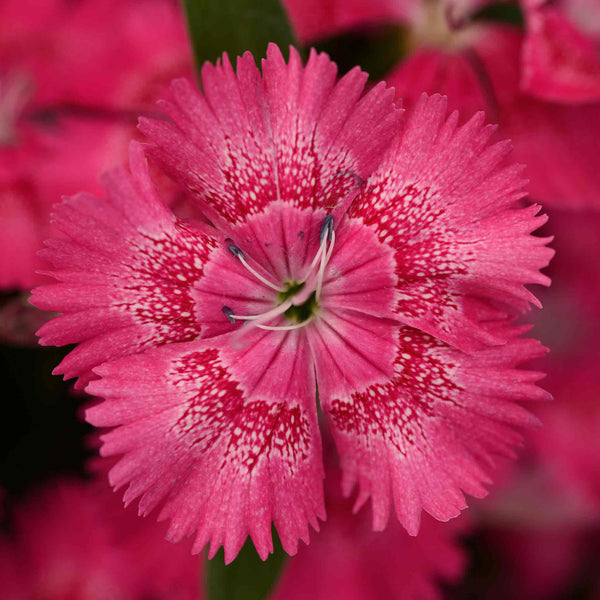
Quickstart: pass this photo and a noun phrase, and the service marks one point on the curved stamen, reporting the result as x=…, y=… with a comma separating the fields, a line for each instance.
x=266, y=316
x=326, y=235
x=324, y=260
x=237, y=252
x=285, y=327
x=315, y=260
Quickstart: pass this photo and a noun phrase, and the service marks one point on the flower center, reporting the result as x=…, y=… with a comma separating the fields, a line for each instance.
x=298, y=301
x=301, y=312
x=440, y=25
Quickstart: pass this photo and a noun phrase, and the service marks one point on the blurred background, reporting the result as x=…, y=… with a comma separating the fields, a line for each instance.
x=74, y=77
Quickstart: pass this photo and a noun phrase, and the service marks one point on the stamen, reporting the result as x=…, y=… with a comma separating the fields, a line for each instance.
x=315, y=260
x=324, y=260
x=299, y=294
x=285, y=327
x=237, y=252
x=266, y=316
x=325, y=235
x=229, y=314
x=326, y=228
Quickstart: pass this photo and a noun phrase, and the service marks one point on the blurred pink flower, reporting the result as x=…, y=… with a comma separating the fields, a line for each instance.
x=537, y=529
x=68, y=105
x=62, y=51
x=561, y=52
x=545, y=518
x=484, y=66
x=317, y=19
x=569, y=444
x=386, y=255
x=348, y=560
x=74, y=541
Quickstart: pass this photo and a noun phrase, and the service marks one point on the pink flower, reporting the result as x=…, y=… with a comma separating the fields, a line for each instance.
x=67, y=105
x=561, y=53
x=73, y=540
x=537, y=85
x=60, y=47
x=384, y=254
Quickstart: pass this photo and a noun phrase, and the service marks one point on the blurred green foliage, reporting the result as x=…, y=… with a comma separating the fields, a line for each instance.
x=236, y=26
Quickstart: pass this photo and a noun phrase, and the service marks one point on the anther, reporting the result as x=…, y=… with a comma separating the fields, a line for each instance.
x=326, y=228
x=235, y=250
x=257, y=319
x=229, y=314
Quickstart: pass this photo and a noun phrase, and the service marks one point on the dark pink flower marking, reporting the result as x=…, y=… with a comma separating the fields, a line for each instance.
x=387, y=258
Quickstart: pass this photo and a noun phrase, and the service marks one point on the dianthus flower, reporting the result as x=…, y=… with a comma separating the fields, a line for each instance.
x=343, y=245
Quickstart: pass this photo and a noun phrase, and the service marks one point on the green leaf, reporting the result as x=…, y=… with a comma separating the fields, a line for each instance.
x=247, y=577
x=234, y=26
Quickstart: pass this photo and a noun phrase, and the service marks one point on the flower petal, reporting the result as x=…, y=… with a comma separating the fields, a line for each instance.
x=452, y=74
x=433, y=430
x=227, y=438
x=443, y=200
x=361, y=273
x=289, y=135
x=354, y=348
x=126, y=268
